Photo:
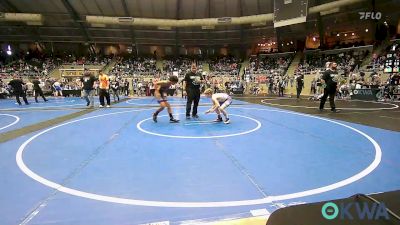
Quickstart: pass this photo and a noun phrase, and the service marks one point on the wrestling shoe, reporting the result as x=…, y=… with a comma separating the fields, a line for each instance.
x=195, y=116
x=172, y=120
x=227, y=121
x=155, y=118
x=218, y=120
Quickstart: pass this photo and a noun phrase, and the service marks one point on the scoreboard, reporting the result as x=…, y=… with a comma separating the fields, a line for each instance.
x=288, y=12
x=392, y=63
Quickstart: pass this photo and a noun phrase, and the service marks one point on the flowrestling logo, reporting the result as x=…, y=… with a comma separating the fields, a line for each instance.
x=370, y=15
x=363, y=211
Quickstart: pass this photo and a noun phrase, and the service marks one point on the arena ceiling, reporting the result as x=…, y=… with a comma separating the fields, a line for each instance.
x=64, y=21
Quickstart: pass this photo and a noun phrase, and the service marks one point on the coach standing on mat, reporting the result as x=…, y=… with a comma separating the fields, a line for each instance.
x=192, y=85
x=18, y=89
x=329, y=80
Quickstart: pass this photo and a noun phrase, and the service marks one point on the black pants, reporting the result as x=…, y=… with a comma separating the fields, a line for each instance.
x=171, y=92
x=39, y=92
x=281, y=89
x=115, y=94
x=192, y=96
x=126, y=91
x=23, y=95
x=299, y=92
x=331, y=93
x=313, y=90
x=104, y=93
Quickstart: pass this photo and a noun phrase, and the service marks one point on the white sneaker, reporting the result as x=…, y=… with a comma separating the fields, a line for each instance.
x=227, y=121
x=100, y=106
x=108, y=106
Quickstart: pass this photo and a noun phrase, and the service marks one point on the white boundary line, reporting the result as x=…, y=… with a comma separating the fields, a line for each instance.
x=191, y=124
x=44, y=107
x=49, y=106
x=269, y=199
x=208, y=122
x=9, y=125
x=314, y=107
x=138, y=125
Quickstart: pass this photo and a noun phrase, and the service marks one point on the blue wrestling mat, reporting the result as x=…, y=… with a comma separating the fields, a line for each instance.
x=116, y=166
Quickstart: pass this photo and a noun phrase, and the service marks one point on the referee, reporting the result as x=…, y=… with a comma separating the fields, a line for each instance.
x=38, y=89
x=329, y=80
x=192, y=85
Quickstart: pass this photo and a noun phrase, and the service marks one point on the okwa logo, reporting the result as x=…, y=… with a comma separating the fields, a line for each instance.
x=363, y=211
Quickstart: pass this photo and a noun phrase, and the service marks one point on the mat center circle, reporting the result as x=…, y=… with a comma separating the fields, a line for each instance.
x=200, y=128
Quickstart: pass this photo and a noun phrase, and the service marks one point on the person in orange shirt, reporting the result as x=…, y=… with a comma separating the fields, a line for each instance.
x=104, y=87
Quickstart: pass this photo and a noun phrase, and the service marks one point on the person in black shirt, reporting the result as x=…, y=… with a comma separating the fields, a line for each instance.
x=299, y=84
x=87, y=85
x=192, y=83
x=18, y=90
x=329, y=80
x=38, y=90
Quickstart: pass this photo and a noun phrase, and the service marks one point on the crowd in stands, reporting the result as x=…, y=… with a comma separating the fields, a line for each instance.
x=227, y=65
x=378, y=61
x=269, y=65
x=133, y=73
x=270, y=70
x=91, y=60
x=33, y=67
x=181, y=64
x=43, y=66
x=132, y=67
x=347, y=61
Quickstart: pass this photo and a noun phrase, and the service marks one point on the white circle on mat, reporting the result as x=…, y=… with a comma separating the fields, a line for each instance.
x=268, y=199
x=139, y=127
x=14, y=122
x=316, y=107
